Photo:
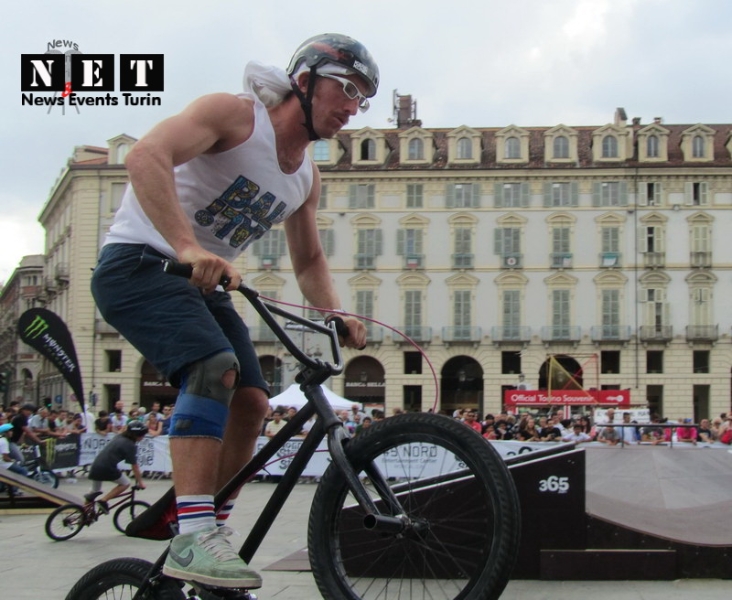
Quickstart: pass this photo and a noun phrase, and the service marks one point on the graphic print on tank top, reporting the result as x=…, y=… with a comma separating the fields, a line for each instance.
x=240, y=215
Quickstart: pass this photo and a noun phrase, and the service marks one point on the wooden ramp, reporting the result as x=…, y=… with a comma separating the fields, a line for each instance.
x=36, y=498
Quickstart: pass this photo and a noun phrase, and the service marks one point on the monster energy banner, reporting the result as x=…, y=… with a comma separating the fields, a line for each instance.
x=47, y=333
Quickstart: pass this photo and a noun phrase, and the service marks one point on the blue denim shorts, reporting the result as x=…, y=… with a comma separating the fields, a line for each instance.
x=170, y=322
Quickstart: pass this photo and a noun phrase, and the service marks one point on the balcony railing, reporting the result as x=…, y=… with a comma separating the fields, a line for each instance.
x=462, y=261
x=269, y=262
x=656, y=333
x=701, y=260
x=561, y=333
x=702, y=333
x=561, y=260
x=262, y=334
x=654, y=260
x=416, y=333
x=510, y=334
x=62, y=272
x=374, y=335
x=610, y=333
x=610, y=260
x=414, y=261
x=365, y=261
x=463, y=333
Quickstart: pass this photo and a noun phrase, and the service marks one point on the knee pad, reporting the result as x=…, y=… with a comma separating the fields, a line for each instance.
x=203, y=403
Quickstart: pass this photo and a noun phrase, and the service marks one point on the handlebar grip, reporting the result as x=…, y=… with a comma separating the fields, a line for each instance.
x=179, y=269
x=183, y=270
x=340, y=326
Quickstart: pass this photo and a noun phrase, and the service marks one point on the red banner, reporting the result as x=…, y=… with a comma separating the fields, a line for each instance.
x=566, y=397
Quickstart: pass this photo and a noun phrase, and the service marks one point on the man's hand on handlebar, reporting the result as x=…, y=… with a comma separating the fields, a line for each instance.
x=209, y=269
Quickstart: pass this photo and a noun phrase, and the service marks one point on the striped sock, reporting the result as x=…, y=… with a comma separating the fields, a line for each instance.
x=195, y=513
x=224, y=513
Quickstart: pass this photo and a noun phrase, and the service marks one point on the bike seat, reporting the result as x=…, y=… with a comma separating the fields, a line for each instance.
x=91, y=496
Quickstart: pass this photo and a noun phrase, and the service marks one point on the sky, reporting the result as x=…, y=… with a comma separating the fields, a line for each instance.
x=481, y=63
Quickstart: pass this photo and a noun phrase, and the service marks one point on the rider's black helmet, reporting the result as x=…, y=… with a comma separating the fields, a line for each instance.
x=330, y=49
x=337, y=49
x=137, y=427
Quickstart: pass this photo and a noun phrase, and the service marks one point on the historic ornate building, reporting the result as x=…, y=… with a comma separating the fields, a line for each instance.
x=492, y=248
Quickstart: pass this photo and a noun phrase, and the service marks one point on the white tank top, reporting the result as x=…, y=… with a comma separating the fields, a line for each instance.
x=231, y=198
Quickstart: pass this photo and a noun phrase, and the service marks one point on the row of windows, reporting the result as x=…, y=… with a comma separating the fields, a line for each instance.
x=655, y=317
x=507, y=243
x=518, y=194
x=512, y=148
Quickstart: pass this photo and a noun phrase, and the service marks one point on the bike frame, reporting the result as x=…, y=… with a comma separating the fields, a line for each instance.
x=313, y=373
x=90, y=507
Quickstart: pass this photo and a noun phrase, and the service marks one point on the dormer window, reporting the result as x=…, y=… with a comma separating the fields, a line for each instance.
x=697, y=146
x=464, y=148
x=609, y=147
x=368, y=149
x=513, y=147
x=416, y=149
x=321, y=150
x=561, y=147
x=652, y=146
x=697, y=143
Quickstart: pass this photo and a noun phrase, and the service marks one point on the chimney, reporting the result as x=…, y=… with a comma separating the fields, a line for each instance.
x=621, y=118
x=658, y=120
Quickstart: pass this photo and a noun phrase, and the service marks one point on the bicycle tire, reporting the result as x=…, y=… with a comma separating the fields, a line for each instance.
x=466, y=539
x=46, y=477
x=119, y=579
x=124, y=515
x=65, y=522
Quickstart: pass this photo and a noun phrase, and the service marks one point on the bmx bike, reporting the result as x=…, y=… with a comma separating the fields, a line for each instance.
x=68, y=520
x=416, y=506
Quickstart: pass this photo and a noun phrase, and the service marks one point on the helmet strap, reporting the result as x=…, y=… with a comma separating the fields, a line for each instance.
x=306, y=102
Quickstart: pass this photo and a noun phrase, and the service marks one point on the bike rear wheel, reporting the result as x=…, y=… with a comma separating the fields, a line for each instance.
x=127, y=512
x=65, y=522
x=119, y=579
x=46, y=477
x=460, y=501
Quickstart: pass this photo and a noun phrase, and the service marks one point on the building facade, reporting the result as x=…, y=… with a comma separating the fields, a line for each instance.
x=19, y=363
x=496, y=250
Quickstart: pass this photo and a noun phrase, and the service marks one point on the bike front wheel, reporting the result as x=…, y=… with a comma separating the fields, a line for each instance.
x=119, y=579
x=127, y=512
x=65, y=522
x=46, y=477
x=456, y=501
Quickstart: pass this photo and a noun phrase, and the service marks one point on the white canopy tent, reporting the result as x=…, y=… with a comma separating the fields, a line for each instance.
x=293, y=396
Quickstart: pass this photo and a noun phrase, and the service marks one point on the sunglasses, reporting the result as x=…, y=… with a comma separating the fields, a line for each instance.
x=350, y=90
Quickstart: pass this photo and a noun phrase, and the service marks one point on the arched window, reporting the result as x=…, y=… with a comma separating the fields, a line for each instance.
x=321, y=150
x=697, y=147
x=416, y=149
x=561, y=147
x=513, y=148
x=609, y=147
x=464, y=148
x=368, y=149
x=652, y=146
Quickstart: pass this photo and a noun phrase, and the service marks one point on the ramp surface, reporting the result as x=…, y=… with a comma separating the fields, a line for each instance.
x=680, y=494
x=54, y=496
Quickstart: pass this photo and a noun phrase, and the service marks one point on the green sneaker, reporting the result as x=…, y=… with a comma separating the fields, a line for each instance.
x=207, y=557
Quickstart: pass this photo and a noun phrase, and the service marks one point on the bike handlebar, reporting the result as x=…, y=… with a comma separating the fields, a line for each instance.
x=333, y=327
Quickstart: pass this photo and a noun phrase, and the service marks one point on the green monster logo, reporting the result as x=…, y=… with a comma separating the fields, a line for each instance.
x=36, y=328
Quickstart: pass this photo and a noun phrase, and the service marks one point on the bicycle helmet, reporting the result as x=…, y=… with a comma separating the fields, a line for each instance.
x=331, y=49
x=137, y=427
x=5, y=427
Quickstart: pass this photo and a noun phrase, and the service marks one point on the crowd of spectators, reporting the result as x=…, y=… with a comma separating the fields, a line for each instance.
x=612, y=430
